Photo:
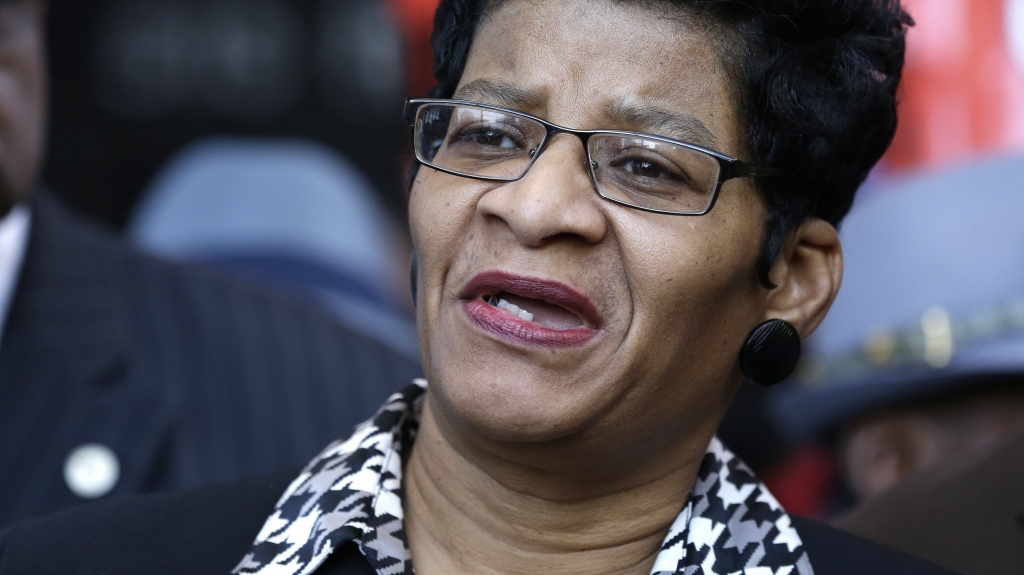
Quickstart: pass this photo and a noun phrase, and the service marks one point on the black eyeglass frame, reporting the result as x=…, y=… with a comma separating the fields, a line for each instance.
x=729, y=167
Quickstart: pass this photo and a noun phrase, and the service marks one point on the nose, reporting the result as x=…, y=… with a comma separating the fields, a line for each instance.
x=554, y=199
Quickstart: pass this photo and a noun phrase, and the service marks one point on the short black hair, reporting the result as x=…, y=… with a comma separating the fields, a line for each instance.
x=817, y=83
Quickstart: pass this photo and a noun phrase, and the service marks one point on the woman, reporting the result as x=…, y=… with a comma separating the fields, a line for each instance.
x=588, y=301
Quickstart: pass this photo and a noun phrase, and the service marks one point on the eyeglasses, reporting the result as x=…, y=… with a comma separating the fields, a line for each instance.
x=641, y=171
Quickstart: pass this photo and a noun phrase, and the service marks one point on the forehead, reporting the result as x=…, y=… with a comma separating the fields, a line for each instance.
x=593, y=63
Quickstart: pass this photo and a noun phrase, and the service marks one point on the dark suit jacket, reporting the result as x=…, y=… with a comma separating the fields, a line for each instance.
x=968, y=517
x=191, y=378
x=207, y=532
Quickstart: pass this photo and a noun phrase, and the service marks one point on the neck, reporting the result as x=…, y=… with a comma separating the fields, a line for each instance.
x=481, y=514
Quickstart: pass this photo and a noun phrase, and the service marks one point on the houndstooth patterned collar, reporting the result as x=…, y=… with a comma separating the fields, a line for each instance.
x=352, y=491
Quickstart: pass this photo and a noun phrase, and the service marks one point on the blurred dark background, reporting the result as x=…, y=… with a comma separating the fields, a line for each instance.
x=135, y=80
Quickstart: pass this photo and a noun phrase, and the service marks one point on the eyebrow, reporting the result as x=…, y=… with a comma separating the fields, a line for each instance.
x=636, y=117
x=663, y=123
x=499, y=93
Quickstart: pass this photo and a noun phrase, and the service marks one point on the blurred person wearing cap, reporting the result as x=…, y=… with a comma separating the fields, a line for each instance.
x=919, y=370
x=121, y=373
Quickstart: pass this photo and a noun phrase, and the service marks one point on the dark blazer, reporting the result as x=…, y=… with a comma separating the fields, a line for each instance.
x=190, y=377
x=209, y=531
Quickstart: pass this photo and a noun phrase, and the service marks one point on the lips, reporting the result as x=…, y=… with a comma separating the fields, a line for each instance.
x=530, y=311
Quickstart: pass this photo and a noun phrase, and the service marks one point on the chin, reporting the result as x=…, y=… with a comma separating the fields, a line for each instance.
x=505, y=405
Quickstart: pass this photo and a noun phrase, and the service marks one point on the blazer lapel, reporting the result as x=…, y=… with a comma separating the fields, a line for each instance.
x=69, y=372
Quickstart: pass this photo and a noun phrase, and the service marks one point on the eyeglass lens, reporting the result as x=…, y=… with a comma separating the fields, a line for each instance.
x=634, y=170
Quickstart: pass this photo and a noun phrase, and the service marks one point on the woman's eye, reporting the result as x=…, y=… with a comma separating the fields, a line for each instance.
x=644, y=168
x=494, y=138
x=488, y=137
x=647, y=169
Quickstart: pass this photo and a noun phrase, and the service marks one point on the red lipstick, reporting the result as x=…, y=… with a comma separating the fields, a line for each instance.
x=564, y=316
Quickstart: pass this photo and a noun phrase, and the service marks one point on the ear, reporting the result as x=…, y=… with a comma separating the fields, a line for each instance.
x=874, y=457
x=880, y=452
x=808, y=274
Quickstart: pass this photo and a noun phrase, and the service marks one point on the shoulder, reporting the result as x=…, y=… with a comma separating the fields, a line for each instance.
x=197, y=532
x=834, y=552
x=63, y=240
x=201, y=532
x=191, y=377
x=189, y=301
x=956, y=515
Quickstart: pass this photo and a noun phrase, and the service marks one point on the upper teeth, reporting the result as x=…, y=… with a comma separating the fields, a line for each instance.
x=516, y=310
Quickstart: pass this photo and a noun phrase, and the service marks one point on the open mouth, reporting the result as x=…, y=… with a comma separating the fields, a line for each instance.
x=530, y=311
x=539, y=311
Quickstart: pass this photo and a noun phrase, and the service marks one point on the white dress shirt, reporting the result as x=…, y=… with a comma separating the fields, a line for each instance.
x=14, y=228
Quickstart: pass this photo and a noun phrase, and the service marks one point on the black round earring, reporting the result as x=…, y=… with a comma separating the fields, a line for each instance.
x=770, y=353
x=412, y=276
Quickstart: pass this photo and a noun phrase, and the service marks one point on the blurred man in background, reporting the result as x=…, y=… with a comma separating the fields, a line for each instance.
x=919, y=370
x=120, y=373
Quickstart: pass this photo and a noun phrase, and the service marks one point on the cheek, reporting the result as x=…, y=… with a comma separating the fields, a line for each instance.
x=694, y=286
x=431, y=238
x=443, y=219
x=441, y=216
x=434, y=218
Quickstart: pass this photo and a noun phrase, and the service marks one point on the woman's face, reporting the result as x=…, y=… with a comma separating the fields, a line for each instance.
x=638, y=318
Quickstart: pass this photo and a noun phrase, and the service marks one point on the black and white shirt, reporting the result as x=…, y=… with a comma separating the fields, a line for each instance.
x=352, y=491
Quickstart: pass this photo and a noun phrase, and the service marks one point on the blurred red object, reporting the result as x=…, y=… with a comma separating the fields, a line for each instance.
x=805, y=481
x=416, y=18
x=963, y=88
